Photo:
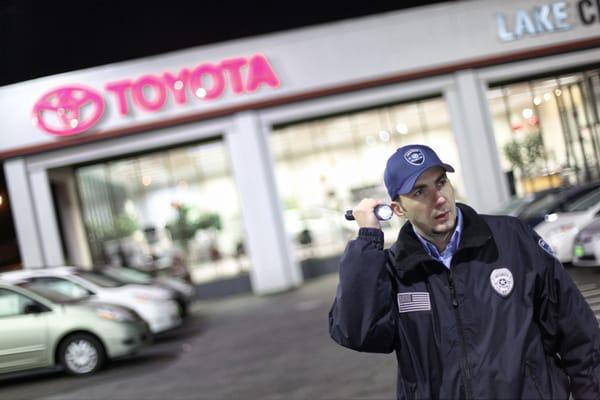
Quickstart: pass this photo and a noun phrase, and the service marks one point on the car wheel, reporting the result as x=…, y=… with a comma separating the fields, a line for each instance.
x=81, y=354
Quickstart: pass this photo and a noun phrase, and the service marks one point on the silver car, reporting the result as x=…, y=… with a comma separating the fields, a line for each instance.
x=42, y=329
x=586, y=248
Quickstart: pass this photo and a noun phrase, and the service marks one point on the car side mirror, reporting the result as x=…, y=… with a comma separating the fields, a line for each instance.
x=34, y=308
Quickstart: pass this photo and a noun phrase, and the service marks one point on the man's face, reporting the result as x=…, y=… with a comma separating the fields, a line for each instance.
x=430, y=206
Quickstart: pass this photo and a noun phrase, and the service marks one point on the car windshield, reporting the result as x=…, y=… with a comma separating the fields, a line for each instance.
x=585, y=202
x=49, y=294
x=513, y=204
x=100, y=280
x=541, y=206
x=126, y=275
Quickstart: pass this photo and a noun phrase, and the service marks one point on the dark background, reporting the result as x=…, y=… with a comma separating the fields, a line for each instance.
x=42, y=37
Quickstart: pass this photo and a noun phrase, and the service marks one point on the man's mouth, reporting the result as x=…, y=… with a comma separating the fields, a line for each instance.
x=441, y=218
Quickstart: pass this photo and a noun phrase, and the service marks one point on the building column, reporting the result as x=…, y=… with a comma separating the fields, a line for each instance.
x=471, y=119
x=46, y=218
x=273, y=267
x=25, y=219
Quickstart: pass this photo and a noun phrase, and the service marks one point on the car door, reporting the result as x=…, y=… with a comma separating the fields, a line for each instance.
x=24, y=339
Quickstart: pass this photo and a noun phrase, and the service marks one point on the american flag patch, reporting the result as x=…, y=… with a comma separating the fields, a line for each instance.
x=413, y=301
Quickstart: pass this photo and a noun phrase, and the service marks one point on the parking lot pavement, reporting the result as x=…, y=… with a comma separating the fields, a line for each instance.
x=588, y=282
x=247, y=347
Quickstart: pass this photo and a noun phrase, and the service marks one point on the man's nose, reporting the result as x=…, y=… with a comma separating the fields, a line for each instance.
x=439, y=198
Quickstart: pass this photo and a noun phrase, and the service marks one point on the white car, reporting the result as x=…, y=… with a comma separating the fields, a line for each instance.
x=182, y=292
x=560, y=229
x=155, y=305
x=586, y=249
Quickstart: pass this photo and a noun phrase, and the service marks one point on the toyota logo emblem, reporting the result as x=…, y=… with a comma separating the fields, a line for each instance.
x=68, y=110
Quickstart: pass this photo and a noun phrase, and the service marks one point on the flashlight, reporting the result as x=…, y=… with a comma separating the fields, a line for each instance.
x=383, y=212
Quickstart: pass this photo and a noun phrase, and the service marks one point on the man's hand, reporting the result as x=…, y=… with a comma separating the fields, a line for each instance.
x=364, y=213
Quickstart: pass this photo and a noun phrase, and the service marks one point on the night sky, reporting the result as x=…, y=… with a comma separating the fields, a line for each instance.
x=40, y=38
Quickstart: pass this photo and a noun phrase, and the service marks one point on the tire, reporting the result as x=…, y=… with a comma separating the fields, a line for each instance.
x=81, y=354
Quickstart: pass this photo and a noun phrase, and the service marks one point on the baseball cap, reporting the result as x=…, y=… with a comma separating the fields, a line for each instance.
x=405, y=166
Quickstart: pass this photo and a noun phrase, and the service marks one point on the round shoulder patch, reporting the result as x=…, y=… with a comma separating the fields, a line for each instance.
x=502, y=281
x=546, y=247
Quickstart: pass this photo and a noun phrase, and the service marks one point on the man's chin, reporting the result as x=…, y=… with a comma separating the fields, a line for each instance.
x=443, y=229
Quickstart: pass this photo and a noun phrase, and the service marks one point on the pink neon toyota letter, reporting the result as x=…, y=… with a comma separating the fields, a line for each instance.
x=140, y=97
x=120, y=91
x=233, y=67
x=217, y=78
x=178, y=89
x=260, y=72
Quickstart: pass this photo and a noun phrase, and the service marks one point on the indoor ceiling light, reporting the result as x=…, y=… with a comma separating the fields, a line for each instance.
x=384, y=135
x=401, y=128
x=527, y=113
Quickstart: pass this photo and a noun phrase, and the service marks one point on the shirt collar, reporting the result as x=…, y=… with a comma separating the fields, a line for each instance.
x=452, y=245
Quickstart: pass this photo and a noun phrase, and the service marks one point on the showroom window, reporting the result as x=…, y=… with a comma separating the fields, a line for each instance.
x=327, y=165
x=175, y=211
x=547, y=130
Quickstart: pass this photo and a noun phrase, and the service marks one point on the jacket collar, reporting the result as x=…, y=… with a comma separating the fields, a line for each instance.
x=408, y=253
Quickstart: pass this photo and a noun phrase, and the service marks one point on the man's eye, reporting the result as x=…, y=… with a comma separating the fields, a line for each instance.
x=417, y=193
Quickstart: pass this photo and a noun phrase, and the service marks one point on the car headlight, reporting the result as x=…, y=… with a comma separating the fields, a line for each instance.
x=113, y=313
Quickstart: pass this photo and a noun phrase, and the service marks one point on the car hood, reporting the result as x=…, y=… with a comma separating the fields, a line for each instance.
x=577, y=219
x=177, y=285
x=146, y=291
x=592, y=228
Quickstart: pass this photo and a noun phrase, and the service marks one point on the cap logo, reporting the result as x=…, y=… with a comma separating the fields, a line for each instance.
x=502, y=281
x=414, y=157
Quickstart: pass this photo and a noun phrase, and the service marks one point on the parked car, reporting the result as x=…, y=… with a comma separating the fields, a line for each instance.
x=182, y=292
x=42, y=329
x=516, y=205
x=536, y=212
x=559, y=229
x=586, y=247
x=155, y=305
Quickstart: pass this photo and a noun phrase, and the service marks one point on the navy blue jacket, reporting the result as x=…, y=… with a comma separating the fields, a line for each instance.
x=454, y=334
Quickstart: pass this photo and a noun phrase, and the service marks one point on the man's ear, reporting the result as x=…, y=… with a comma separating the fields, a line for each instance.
x=397, y=208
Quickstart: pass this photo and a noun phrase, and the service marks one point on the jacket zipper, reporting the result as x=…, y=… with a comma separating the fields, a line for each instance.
x=535, y=382
x=466, y=370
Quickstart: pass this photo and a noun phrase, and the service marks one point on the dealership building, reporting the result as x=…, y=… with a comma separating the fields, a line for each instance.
x=246, y=153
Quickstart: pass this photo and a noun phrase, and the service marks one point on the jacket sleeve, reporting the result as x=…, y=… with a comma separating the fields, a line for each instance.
x=569, y=325
x=362, y=316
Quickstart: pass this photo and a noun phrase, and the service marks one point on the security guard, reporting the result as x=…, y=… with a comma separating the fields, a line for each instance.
x=475, y=306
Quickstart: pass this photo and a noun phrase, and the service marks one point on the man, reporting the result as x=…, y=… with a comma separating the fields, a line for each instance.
x=475, y=306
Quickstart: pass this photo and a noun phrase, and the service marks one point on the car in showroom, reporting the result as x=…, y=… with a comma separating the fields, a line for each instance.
x=586, y=247
x=182, y=292
x=153, y=304
x=560, y=229
x=536, y=212
x=40, y=329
